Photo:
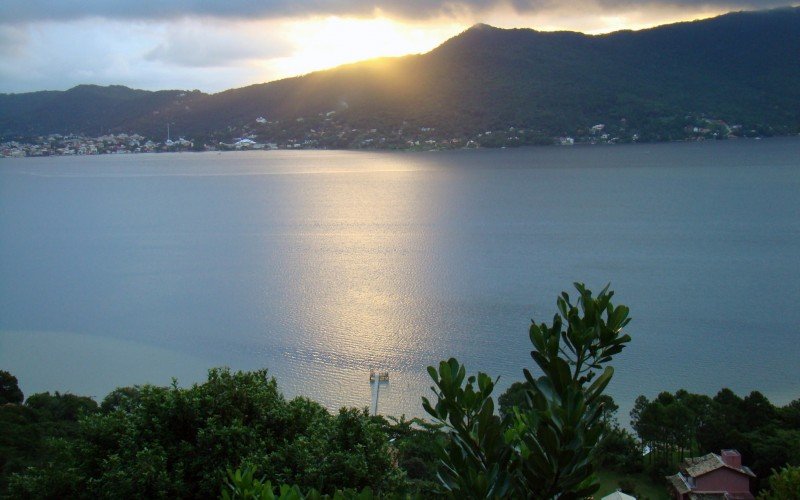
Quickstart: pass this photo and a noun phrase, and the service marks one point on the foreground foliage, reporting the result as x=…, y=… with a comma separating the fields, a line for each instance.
x=9, y=389
x=783, y=484
x=158, y=442
x=243, y=485
x=29, y=431
x=545, y=448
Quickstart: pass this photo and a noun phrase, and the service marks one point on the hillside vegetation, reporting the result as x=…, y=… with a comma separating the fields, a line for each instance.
x=736, y=69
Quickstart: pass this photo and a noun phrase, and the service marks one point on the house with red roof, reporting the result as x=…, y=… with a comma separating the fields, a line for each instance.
x=713, y=477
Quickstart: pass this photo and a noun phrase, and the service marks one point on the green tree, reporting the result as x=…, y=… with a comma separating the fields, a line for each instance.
x=243, y=485
x=684, y=422
x=178, y=442
x=609, y=411
x=757, y=410
x=641, y=427
x=547, y=447
x=61, y=406
x=34, y=434
x=790, y=415
x=669, y=424
x=700, y=407
x=124, y=398
x=783, y=484
x=9, y=389
x=516, y=395
x=619, y=451
x=416, y=443
x=20, y=440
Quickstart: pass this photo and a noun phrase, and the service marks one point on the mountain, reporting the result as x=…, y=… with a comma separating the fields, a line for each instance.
x=86, y=109
x=739, y=68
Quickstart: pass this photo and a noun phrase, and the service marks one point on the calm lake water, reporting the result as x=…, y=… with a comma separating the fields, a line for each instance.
x=122, y=270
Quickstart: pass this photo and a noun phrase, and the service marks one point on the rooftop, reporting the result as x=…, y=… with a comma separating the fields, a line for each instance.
x=697, y=466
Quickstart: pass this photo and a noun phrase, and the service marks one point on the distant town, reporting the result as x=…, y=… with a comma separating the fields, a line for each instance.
x=324, y=132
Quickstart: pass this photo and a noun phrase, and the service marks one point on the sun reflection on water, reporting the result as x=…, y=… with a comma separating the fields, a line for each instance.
x=355, y=277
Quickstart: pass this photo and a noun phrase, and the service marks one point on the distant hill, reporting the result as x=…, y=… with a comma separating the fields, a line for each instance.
x=740, y=68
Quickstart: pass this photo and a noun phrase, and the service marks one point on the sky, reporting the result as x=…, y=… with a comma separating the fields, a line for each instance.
x=214, y=45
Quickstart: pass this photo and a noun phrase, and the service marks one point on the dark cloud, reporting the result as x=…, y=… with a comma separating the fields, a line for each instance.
x=696, y=4
x=15, y=11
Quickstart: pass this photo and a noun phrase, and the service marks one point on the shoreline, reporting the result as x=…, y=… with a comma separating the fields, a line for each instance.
x=23, y=149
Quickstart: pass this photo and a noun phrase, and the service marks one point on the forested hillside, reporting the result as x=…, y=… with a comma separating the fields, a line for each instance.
x=736, y=69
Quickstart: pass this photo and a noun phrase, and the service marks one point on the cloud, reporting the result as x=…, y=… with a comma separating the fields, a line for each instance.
x=205, y=45
x=151, y=56
x=697, y=4
x=13, y=41
x=16, y=11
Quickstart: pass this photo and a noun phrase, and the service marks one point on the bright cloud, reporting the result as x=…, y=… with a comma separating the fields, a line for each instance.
x=325, y=42
x=205, y=43
x=141, y=55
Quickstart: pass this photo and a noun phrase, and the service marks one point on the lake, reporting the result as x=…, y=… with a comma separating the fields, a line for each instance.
x=319, y=265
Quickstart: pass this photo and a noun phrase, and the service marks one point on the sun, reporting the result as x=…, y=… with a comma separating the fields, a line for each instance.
x=332, y=41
